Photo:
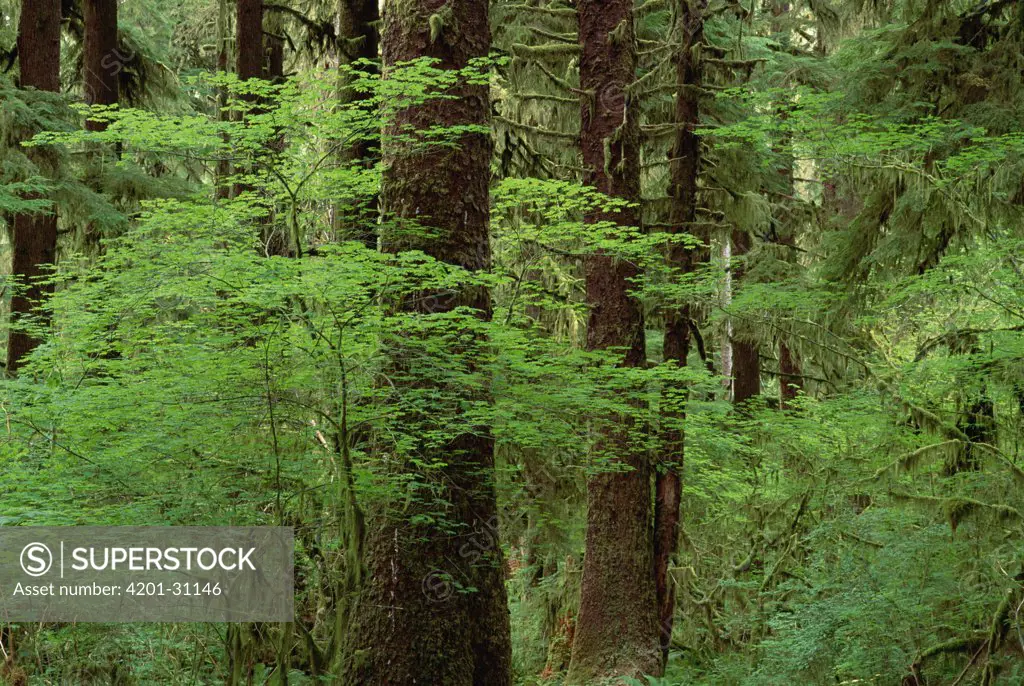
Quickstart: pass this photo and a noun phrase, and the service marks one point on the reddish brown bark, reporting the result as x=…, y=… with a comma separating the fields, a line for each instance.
x=249, y=39
x=684, y=168
x=410, y=625
x=34, y=236
x=249, y=65
x=746, y=370
x=103, y=63
x=617, y=628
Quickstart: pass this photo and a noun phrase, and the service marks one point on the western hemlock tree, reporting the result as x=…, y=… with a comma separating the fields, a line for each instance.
x=617, y=628
x=684, y=169
x=434, y=609
x=746, y=371
x=102, y=60
x=249, y=39
x=34, y=236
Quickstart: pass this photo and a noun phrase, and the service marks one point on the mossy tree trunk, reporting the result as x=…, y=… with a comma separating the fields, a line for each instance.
x=790, y=377
x=684, y=168
x=433, y=609
x=34, y=236
x=617, y=627
x=273, y=68
x=248, y=49
x=223, y=189
x=790, y=374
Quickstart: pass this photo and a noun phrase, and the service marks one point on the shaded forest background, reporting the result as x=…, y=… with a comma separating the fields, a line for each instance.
x=656, y=342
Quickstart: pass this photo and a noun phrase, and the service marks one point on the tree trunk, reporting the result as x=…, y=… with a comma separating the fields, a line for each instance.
x=34, y=236
x=617, y=628
x=273, y=42
x=275, y=57
x=790, y=379
x=358, y=19
x=102, y=65
x=746, y=370
x=359, y=42
x=249, y=57
x=684, y=168
x=102, y=60
x=223, y=189
x=249, y=41
x=259, y=59
x=411, y=623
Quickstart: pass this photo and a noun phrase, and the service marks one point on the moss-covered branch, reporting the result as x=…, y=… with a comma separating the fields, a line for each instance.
x=535, y=52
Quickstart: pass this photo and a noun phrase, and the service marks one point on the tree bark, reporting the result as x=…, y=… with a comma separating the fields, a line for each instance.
x=102, y=60
x=684, y=168
x=617, y=628
x=790, y=375
x=223, y=188
x=34, y=236
x=249, y=63
x=410, y=626
x=249, y=39
x=275, y=57
x=262, y=59
x=791, y=382
x=357, y=20
x=359, y=42
x=101, y=64
x=746, y=370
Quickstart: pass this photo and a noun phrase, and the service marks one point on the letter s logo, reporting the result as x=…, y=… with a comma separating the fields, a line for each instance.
x=36, y=559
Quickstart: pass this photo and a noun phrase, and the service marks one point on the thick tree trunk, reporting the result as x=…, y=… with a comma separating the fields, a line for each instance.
x=617, y=627
x=249, y=39
x=746, y=370
x=248, y=55
x=34, y=236
x=411, y=624
x=103, y=62
x=684, y=168
x=259, y=59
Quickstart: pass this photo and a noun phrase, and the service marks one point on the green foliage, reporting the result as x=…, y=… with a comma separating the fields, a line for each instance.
x=870, y=532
